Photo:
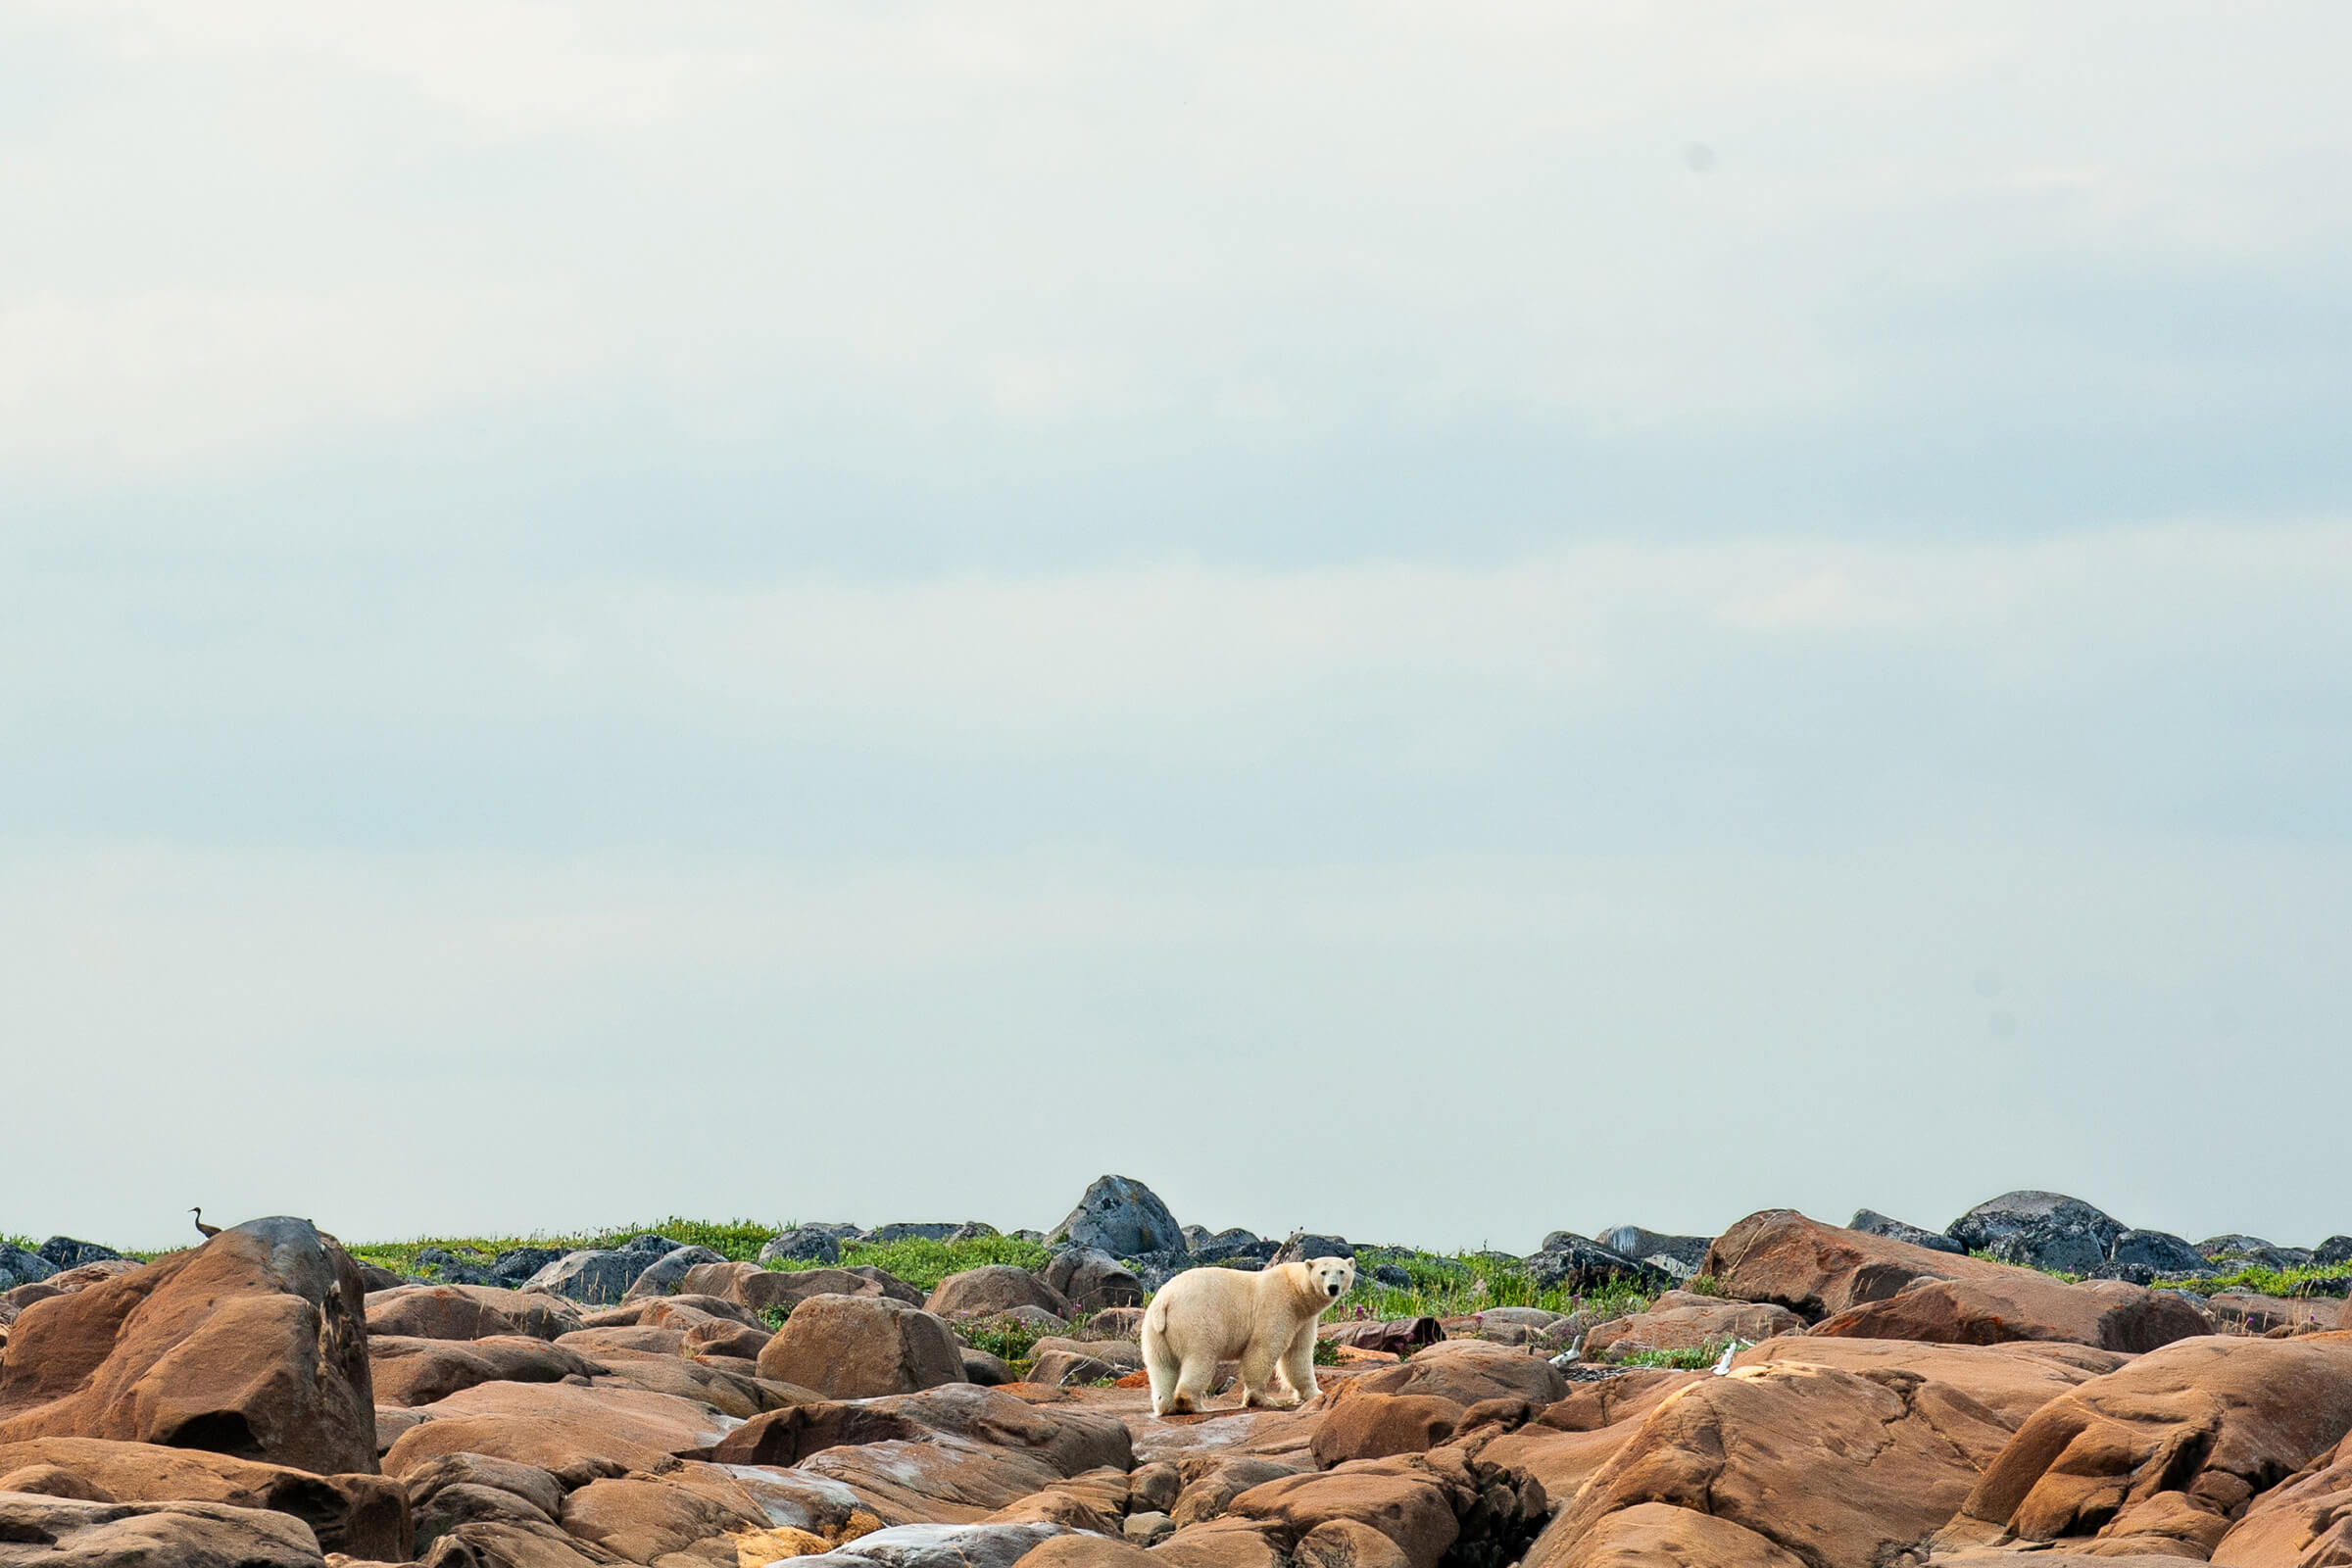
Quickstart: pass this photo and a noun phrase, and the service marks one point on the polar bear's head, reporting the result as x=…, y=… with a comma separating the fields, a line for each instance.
x=1332, y=1277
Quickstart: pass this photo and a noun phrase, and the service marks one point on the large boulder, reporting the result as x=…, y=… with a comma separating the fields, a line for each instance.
x=1121, y=1216
x=666, y=1275
x=2170, y=1449
x=2334, y=1251
x=468, y=1312
x=2028, y=1306
x=1831, y=1467
x=1093, y=1279
x=577, y=1434
x=994, y=1288
x=1469, y=1372
x=2304, y=1522
x=1572, y=1262
x=1870, y=1222
x=1680, y=1321
x=253, y=1344
x=74, y=1533
x=1875, y=1287
x=807, y=1243
x=2040, y=1230
x=597, y=1276
x=1679, y=1256
x=364, y=1515
x=939, y=1545
x=1430, y=1506
x=759, y=1288
x=857, y=1347
x=17, y=1266
x=411, y=1371
x=66, y=1252
x=2013, y=1379
x=2159, y=1252
x=1304, y=1247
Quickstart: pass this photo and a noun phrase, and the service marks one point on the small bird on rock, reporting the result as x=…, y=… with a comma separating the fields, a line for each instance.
x=208, y=1230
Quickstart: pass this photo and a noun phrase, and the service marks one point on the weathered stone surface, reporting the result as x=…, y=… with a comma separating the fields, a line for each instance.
x=364, y=1515
x=645, y=1518
x=2024, y=1305
x=70, y=1532
x=253, y=1344
x=1304, y=1247
x=850, y=1347
x=1659, y=1534
x=1575, y=1436
x=1679, y=1255
x=807, y=1244
x=994, y=1288
x=1680, y=1321
x=1061, y=1369
x=1374, y=1426
x=2013, y=1379
x=2158, y=1251
x=1092, y=1280
x=938, y=1545
x=2216, y=1420
x=1829, y=1466
x=666, y=1275
x=17, y=1266
x=1392, y=1336
x=969, y=1452
x=759, y=1288
x=577, y=1434
x=411, y=1372
x=1123, y=1217
x=2244, y=1312
x=2040, y=1230
x=1427, y=1505
x=2304, y=1522
x=65, y=1252
x=1573, y=1262
x=514, y=1544
x=596, y=1276
x=468, y=1312
x=460, y=1488
x=1815, y=1270
x=1870, y=1222
x=2334, y=1249
x=1468, y=1371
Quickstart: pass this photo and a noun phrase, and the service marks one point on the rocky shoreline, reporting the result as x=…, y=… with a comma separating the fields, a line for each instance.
x=2037, y=1378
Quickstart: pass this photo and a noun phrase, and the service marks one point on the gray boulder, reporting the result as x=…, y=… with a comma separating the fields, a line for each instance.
x=1233, y=1248
x=666, y=1273
x=1679, y=1256
x=2040, y=1230
x=1871, y=1222
x=2158, y=1251
x=982, y=1545
x=594, y=1276
x=929, y=1231
x=1306, y=1246
x=1583, y=1265
x=1121, y=1216
x=1093, y=1279
x=807, y=1243
x=518, y=1264
x=2334, y=1249
x=66, y=1252
x=20, y=1268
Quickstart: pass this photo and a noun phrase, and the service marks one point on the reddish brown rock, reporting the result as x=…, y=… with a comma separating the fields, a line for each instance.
x=1347, y=1543
x=1658, y=1534
x=577, y=1434
x=1374, y=1426
x=851, y=1348
x=505, y=1544
x=2304, y=1522
x=1679, y=1320
x=2243, y=1312
x=1211, y=1481
x=1831, y=1467
x=411, y=1372
x=720, y=1338
x=1396, y=1336
x=468, y=1312
x=975, y=1450
x=749, y=1284
x=994, y=1288
x=364, y=1515
x=2012, y=1380
x=254, y=1344
x=2026, y=1305
x=1572, y=1437
x=1467, y=1371
x=1427, y=1504
x=74, y=1533
x=2216, y=1420
x=1817, y=1270
x=1221, y=1543
x=644, y=1518
x=1089, y=1551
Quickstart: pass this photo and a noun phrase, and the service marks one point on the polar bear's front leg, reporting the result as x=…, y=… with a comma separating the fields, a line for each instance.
x=1258, y=1377
x=1298, y=1363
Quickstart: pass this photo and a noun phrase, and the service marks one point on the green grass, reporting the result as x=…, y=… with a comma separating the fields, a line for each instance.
x=10, y=1238
x=738, y=1240
x=925, y=1263
x=2287, y=1282
x=1459, y=1284
x=1694, y=1360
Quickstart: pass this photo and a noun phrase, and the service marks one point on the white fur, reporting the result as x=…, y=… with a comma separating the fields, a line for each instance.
x=1266, y=1320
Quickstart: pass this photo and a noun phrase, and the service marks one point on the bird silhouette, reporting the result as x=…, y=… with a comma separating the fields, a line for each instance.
x=208, y=1230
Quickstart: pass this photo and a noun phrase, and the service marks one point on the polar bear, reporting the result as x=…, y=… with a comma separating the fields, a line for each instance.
x=1206, y=1315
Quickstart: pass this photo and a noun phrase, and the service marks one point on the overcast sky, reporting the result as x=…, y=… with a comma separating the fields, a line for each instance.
x=1431, y=622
